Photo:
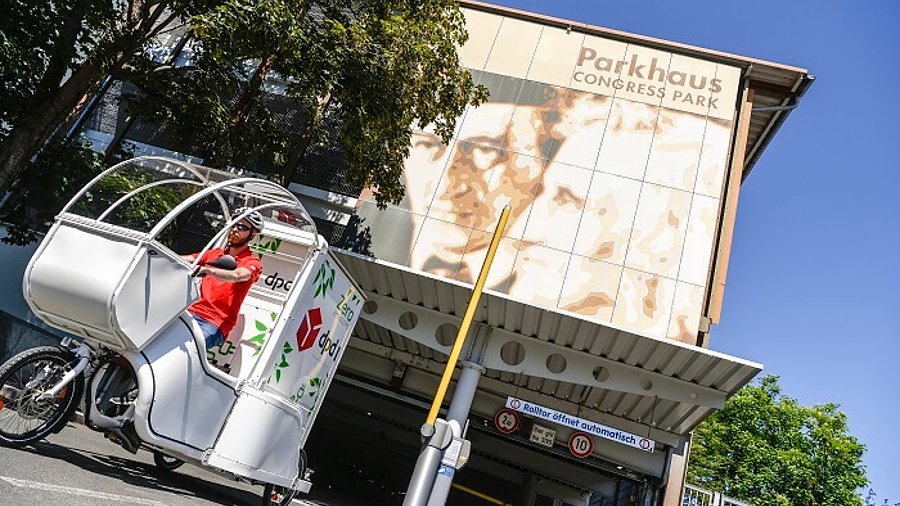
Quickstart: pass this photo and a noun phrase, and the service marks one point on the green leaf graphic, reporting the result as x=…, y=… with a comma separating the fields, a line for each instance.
x=284, y=363
x=261, y=326
x=324, y=279
x=277, y=375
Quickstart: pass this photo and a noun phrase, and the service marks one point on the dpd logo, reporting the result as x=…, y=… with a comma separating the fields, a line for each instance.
x=309, y=329
x=276, y=282
x=329, y=346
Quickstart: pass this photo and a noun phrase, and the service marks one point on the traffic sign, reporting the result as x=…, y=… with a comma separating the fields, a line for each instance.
x=506, y=421
x=581, y=444
x=543, y=435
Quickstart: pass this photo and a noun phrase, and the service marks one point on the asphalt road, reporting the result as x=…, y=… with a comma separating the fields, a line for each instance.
x=79, y=467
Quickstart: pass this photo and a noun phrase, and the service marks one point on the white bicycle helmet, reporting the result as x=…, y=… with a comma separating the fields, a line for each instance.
x=253, y=217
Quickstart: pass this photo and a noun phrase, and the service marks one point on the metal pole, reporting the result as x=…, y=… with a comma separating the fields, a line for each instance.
x=430, y=457
x=460, y=406
x=464, y=394
x=427, y=464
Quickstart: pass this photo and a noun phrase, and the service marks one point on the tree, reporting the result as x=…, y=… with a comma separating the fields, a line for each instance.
x=764, y=447
x=374, y=68
x=56, y=54
x=872, y=497
x=370, y=69
x=45, y=186
x=388, y=65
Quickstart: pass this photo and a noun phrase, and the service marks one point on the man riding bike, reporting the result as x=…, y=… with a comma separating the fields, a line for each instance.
x=222, y=291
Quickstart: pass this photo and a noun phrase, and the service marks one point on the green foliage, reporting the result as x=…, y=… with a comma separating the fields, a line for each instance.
x=391, y=66
x=765, y=448
x=141, y=212
x=39, y=42
x=370, y=69
x=59, y=172
x=56, y=54
x=872, y=500
x=47, y=184
x=196, y=105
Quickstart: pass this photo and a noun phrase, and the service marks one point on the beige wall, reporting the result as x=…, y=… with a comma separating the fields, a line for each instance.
x=612, y=157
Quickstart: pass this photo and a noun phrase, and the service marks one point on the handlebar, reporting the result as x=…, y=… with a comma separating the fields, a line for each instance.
x=224, y=262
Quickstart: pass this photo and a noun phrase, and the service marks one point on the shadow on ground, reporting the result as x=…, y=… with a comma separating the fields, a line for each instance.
x=146, y=475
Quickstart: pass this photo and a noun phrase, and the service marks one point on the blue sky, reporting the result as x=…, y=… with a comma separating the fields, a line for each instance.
x=813, y=279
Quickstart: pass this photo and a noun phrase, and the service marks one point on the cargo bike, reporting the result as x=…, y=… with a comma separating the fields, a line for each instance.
x=109, y=273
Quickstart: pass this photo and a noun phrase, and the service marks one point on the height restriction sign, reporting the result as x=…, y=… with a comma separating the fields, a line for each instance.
x=581, y=444
x=506, y=421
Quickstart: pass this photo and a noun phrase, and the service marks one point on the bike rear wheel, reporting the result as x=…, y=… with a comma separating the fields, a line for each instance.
x=166, y=463
x=24, y=418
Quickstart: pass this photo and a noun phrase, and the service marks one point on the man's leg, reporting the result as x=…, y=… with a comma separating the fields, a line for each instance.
x=211, y=333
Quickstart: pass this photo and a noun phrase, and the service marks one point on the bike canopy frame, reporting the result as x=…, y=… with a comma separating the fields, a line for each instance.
x=210, y=182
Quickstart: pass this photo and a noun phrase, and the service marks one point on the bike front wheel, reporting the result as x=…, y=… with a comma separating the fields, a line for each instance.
x=274, y=495
x=24, y=416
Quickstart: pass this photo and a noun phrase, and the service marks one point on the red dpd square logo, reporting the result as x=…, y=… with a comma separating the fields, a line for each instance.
x=309, y=329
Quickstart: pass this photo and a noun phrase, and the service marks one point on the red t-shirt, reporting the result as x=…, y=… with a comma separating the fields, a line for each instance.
x=220, y=302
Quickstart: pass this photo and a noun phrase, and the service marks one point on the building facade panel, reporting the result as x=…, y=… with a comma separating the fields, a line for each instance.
x=483, y=28
x=513, y=48
x=591, y=287
x=675, y=152
x=608, y=217
x=547, y=66
x=713, y=157
x=628, y=139
x=685, y=320
x=698, y=243
x=596, y=65
x=641, y=75
x=657, y=235
x=644, y=302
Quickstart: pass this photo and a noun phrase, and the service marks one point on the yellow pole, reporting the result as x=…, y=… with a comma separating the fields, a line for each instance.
x=467, y=319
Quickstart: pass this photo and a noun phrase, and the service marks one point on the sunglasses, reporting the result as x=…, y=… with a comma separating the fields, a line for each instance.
x=240, y=227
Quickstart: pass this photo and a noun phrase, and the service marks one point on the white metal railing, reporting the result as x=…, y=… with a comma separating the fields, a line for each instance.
x=696, y=496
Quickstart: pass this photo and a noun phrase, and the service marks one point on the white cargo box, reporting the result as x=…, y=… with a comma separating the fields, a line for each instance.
x=105, y=284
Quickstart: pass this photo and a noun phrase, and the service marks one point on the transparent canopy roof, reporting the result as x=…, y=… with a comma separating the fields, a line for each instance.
x=181, y=204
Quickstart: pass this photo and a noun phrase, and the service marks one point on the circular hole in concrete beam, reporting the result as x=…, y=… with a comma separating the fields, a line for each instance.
x=370, y=307
x=512, y=353
x=445, y=334
x=646, y=384
x=601, y=374
x=408, y=320
x=556, y=363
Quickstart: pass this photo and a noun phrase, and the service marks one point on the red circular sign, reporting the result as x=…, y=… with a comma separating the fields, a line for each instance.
x=506, y=421
x=581, y=444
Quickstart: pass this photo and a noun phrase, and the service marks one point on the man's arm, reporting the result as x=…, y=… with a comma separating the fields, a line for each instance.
x=235, y=276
